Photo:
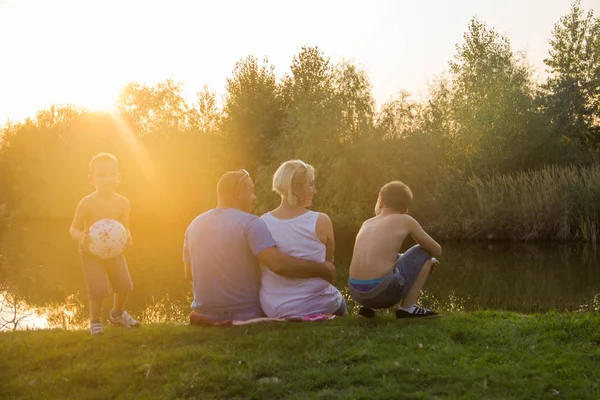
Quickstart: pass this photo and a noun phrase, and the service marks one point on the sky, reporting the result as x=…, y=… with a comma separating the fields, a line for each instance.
x=84, y=52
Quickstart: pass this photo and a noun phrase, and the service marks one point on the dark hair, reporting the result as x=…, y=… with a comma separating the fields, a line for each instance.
x=396, y=196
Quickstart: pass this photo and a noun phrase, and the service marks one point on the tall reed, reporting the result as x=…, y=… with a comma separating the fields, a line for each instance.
x=553, y=203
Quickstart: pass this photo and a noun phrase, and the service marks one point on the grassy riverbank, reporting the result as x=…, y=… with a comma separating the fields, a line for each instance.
x=476, y=355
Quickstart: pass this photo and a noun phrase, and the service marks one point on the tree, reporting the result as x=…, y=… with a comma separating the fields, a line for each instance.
x=309, y=103
x=573, y=88
x=252, y=112
x=207, y=115
x=492, y=101
x=159, y=109
x=399, y=118
x=354, y=95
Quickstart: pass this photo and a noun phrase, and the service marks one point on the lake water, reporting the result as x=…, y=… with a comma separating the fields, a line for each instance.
x=42, y=282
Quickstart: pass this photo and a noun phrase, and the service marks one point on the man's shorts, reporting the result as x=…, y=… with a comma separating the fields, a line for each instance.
x=99, y=273
x=394, y=286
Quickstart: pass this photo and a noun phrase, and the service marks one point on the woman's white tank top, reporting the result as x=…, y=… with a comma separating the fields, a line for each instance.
x=284, y=297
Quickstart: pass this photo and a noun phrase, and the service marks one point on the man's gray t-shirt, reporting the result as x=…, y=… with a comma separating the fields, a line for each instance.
x=221, y=245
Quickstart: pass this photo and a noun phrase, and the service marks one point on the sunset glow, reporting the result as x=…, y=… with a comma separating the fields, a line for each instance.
x=83, y=53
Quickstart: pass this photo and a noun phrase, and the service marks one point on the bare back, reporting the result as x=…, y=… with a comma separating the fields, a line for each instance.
x=379, y=240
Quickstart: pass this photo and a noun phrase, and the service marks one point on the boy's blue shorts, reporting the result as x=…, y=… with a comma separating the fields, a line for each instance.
x=394, y=286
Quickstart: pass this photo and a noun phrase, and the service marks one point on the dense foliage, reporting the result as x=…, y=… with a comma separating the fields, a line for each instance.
x=487, y=121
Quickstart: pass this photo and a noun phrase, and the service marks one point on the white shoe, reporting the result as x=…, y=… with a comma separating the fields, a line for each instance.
x=124, y=320
x=96, y=328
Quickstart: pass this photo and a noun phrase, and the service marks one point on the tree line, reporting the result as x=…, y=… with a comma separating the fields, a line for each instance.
x=485, y=119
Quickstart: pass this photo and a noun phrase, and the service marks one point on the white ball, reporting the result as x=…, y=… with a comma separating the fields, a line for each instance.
x=107, y=238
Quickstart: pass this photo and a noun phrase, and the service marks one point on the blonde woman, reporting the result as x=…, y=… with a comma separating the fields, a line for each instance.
x=301, y=233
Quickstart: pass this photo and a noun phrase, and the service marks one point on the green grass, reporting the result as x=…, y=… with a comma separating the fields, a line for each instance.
x=493, y=355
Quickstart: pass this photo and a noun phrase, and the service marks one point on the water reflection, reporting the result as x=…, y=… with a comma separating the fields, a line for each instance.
x=16, y=314
x=73, y=314
x=42, y=274
x=519, y=277
x=167, y=309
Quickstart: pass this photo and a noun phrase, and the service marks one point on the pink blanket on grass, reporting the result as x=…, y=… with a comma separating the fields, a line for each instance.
x=199, y=320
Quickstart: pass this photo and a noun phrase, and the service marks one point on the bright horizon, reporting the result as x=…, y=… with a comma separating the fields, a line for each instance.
x=84, y=54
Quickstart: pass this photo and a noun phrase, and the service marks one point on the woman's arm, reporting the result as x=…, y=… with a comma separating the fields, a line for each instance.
x=324, y=230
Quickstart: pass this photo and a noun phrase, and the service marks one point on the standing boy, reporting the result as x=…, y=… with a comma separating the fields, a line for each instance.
x=104, y=203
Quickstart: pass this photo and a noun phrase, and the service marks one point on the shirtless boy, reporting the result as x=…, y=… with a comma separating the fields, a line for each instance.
x=379, y=276
x=104, y=203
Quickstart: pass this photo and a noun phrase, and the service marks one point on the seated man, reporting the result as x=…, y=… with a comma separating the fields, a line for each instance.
x=222, y=250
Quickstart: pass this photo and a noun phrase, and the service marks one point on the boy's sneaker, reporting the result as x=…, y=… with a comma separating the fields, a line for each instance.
x=124, y=320
x=415, y=312
x=96, y=328
x=366, y=312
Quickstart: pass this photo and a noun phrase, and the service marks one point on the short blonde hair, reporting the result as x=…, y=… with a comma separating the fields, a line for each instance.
x=288, y=173
x=102, y=157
